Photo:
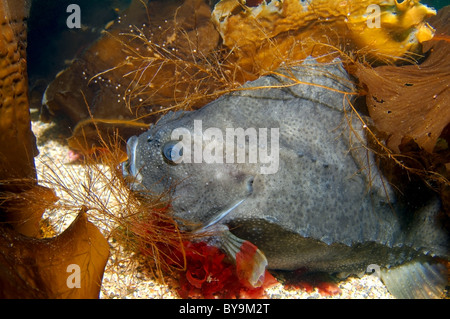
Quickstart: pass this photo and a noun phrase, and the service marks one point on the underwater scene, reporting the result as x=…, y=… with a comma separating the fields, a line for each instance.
x=224, y=149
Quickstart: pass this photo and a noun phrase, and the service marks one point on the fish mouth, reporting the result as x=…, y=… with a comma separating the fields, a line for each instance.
x=129, y=168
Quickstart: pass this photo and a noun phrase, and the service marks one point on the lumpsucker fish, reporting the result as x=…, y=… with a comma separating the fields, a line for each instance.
x=283, y=163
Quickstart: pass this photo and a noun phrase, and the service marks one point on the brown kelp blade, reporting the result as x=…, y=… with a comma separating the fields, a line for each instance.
x=23, y=210
x=68, y=266
x=17, y=145
x=411, y=101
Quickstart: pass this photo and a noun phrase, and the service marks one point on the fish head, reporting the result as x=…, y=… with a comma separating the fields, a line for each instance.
x=162, y=160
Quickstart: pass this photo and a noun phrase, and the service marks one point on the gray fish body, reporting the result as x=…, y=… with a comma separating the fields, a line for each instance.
x=326, y=207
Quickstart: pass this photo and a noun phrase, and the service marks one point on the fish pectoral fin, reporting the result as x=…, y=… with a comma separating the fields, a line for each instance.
x=417, y=279
x=250, y=261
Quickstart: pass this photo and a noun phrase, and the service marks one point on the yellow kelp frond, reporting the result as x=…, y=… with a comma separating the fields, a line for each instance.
x=262, y=36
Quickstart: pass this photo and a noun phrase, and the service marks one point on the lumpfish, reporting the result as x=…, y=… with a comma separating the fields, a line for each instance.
x=282, y=163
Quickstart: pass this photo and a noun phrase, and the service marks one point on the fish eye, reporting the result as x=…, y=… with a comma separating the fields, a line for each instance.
x=172, y=152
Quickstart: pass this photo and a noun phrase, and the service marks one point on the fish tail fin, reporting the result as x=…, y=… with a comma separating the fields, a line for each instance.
x=250, y=261
x=418, y=279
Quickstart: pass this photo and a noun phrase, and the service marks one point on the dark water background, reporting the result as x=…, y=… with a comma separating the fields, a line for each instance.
x=51, y=43
x=437, y=4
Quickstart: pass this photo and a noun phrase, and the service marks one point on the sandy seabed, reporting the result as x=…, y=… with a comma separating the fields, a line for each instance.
x=121, y=281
